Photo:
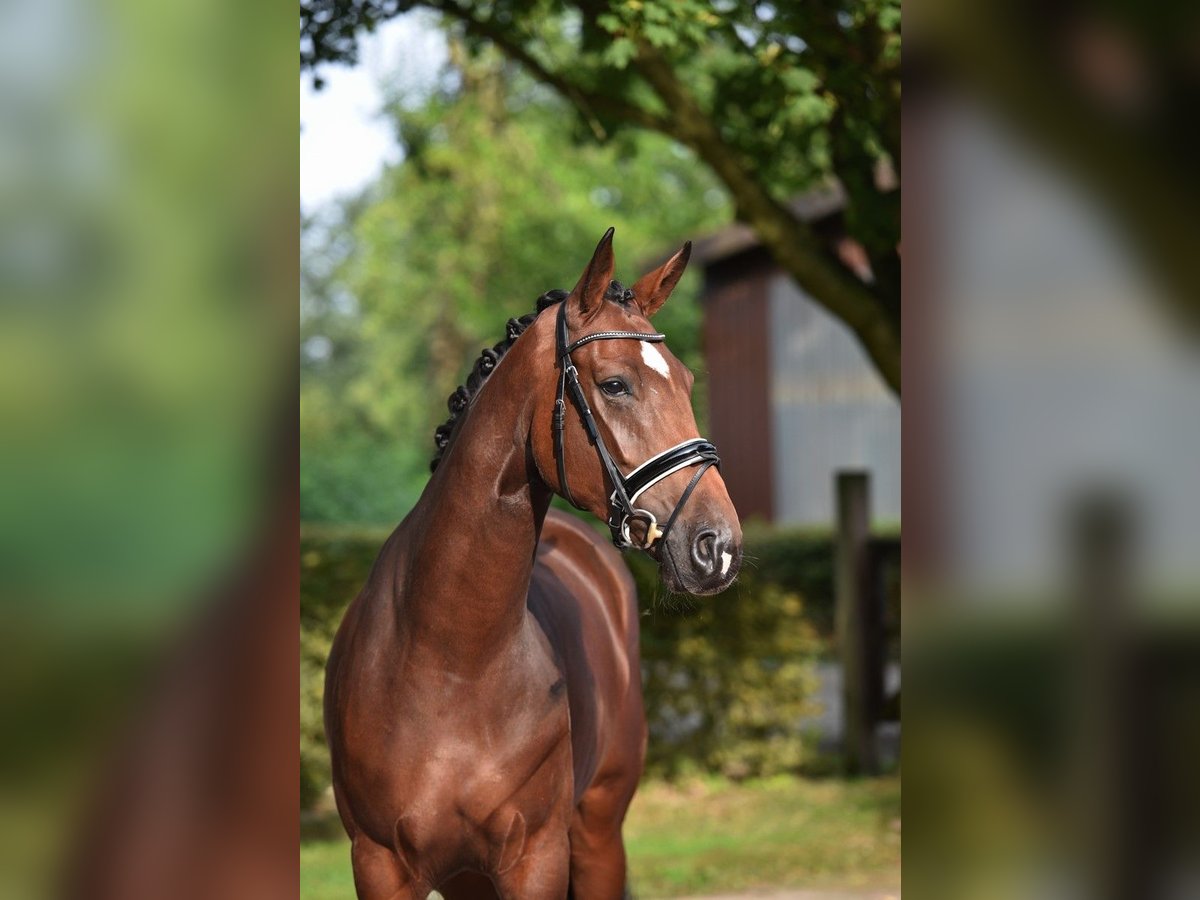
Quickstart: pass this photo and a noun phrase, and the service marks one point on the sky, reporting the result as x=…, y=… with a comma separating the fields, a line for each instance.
x=344, y=142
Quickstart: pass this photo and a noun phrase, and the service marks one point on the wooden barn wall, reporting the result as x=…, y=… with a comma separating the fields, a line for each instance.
x=736, y=349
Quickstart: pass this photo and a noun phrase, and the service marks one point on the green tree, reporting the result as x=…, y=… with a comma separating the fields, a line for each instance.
x=493, y=205
x=772, y=98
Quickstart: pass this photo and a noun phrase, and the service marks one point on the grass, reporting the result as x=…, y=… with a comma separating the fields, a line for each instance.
x=712, y=835
x=709, y=835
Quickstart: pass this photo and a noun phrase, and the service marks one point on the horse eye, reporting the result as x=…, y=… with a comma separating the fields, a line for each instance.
x=614, y=387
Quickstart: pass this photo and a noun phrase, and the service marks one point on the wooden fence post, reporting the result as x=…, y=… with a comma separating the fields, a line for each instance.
x=858, y=621
x=1118, y=832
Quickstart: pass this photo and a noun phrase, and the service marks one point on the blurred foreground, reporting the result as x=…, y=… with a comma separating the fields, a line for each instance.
x=148, y=452
x=1052, y=432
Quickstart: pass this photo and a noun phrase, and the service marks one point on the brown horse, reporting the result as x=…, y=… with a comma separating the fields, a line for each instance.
x=483, y=696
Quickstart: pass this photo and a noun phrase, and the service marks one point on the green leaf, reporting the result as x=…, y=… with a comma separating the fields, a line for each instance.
x=660, y=35
x=619, y=52
x=800, y=81
x=610, y=23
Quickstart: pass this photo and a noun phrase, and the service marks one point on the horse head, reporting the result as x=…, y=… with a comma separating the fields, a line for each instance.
x=619, y=437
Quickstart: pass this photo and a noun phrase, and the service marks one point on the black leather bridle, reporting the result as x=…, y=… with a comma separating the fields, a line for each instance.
x=626, y=488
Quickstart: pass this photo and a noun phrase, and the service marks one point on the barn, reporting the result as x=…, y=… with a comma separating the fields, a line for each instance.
x=793, y=398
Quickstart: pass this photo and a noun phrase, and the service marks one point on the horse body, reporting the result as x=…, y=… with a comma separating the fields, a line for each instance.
x=483, y=695
x=536, y=745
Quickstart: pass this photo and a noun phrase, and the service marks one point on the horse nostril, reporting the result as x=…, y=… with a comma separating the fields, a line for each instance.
x=704, y=550
x=714, y=552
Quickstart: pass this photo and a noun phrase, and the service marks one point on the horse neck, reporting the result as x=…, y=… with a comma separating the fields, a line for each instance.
x=477, y=524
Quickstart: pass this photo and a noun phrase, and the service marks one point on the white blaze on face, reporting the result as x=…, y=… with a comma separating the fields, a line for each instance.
x=726, y=559
x=655, y=360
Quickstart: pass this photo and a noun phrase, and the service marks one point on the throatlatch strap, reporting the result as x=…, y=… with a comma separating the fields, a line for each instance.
x=560, y=456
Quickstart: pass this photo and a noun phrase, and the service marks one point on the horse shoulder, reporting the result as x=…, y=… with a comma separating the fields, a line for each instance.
x=566, y=539
x=584, y=599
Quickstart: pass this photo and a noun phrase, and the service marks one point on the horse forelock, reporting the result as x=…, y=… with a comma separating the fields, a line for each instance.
x=618, y=293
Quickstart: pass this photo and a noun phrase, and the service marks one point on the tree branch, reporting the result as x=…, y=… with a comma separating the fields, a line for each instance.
x=587, y=102
x=790, y=241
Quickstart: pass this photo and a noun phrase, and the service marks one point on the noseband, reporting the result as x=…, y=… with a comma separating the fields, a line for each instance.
x=626, y=488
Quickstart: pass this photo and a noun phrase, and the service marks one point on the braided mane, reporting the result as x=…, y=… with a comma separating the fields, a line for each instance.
x=460, y=400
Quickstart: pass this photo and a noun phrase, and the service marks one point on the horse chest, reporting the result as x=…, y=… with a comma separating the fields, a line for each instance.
x=461, y=750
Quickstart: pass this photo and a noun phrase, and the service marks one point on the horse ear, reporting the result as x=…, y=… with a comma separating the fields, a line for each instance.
x=587, y=298
x=653, y=288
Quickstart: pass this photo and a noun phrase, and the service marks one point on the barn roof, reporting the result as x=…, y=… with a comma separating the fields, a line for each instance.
x=811, y=206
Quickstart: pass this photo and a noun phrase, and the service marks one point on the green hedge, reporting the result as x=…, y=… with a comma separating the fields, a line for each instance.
x=726, y=678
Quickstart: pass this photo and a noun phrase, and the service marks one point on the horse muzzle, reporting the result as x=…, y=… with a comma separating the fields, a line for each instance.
x=701, y=560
